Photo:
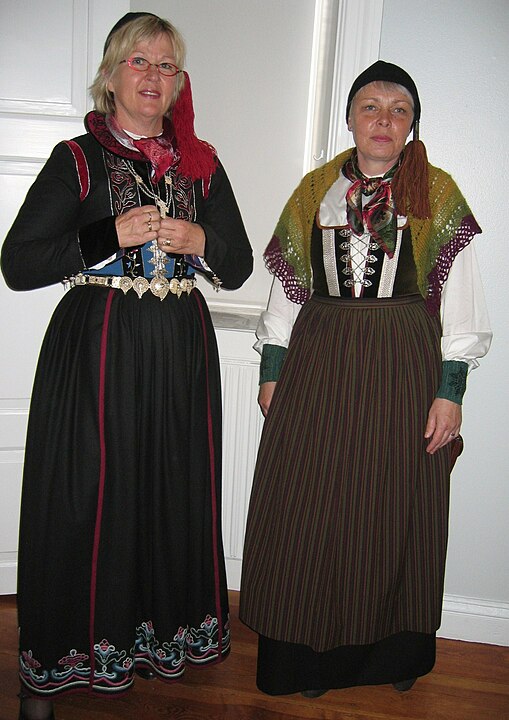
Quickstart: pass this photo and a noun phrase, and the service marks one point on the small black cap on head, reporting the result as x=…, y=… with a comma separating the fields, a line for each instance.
x=129, y=17
x=381, y=70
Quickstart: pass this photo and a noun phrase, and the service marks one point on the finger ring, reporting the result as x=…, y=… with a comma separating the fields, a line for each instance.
x=167, y=243
x=149, y=223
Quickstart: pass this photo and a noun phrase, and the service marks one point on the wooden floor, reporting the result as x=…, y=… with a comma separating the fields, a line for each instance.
x=469, y=682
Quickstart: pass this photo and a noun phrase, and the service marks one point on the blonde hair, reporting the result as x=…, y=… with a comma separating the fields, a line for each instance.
x=120, y=46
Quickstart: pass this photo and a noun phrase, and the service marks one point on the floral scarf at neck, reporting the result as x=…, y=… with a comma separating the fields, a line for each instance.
x=379, y=215
x=158, y=150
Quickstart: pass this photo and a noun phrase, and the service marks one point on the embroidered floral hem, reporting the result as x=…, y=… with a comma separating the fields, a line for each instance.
x=114, y=667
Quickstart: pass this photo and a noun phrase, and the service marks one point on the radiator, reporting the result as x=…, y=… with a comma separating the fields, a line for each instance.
x=242, y=425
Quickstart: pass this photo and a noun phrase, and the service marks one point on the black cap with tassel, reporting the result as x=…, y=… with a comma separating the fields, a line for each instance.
x=410, y=184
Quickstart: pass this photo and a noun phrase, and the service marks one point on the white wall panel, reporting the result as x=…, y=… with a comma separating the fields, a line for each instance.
x=50, y=74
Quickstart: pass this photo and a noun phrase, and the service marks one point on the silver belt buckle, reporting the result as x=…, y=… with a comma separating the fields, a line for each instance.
x=102, y=280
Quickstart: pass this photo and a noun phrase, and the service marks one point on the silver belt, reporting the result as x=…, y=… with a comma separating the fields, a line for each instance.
x=158, y=286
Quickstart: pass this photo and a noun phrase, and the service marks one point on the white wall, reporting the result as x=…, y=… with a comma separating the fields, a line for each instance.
x=458, y=53
x=249, y=64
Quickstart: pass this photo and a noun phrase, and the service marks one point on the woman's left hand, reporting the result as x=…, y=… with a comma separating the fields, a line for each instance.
x=181, y=237
x=444, y=423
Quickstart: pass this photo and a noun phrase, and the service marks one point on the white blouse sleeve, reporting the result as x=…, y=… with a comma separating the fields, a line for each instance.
x=276, y=322
x=466, y=331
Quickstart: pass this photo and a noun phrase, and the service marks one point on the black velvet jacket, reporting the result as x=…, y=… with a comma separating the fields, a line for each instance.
x=67, y=221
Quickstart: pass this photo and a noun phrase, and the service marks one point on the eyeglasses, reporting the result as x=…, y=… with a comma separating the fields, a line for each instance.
x=141, y=65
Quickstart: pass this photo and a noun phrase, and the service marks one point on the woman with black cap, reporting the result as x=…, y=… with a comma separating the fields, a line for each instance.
x=375, y=316
x=121, y=566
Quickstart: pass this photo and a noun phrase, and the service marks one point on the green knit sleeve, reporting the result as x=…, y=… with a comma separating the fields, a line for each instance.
x=271, y=363
x=454, y=380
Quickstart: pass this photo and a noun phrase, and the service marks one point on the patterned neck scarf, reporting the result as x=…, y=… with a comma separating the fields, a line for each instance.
x=158, y=150
x=160, y=155
x=379, y=214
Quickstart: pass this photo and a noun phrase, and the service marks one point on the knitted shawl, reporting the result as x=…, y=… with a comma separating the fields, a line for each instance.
x=435, y=241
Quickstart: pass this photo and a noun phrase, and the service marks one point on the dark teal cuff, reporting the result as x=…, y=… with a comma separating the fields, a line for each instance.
x=273, y=357
x=454, y=381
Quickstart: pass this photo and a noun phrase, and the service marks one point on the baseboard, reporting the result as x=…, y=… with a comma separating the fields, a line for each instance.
x=475, y=620
x=8, y=573
x=233, y=573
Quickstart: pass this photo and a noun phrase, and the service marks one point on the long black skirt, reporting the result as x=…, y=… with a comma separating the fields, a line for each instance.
x=120, y=556
x=347, y=527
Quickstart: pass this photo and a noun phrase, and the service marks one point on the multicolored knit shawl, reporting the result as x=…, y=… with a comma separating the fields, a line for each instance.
x=436, y=241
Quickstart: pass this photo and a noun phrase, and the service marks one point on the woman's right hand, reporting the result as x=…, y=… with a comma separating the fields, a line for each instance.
x=138, y=226
x=265, y=396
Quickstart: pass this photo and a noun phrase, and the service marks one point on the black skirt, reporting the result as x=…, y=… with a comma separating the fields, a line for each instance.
x=285, y=668
x=347, y=526
x=120, y=557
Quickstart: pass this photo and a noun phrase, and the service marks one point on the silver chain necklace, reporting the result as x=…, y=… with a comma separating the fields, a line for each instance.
x=160, y=258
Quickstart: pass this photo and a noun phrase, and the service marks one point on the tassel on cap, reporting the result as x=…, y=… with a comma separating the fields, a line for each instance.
x=410, y=185
x=198, y=158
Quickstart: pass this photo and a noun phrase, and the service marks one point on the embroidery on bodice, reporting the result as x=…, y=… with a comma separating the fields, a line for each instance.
x=179, y=202
x=123, y=190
